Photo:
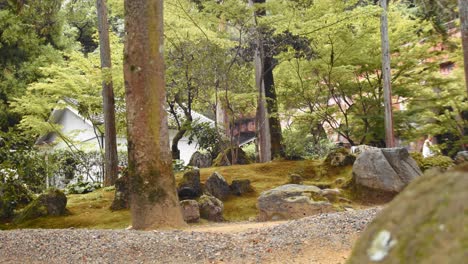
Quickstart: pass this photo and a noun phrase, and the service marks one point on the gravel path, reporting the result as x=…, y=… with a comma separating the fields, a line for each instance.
x=325, y=238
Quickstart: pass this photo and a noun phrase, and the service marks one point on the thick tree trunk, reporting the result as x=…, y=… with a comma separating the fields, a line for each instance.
x=153, y=198
x=276, y=137
x=386, y=74
x=110, y=143
x=268, y=124
x=463, y=9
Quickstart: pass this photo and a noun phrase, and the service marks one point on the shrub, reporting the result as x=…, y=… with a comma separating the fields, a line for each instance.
x=82, y=187
x=437, y=161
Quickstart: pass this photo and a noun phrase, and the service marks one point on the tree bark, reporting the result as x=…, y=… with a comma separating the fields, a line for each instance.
x=463, y=9
x=153, y=198
x=110, y=143
x=276, y=137
x=268, y=126
x=386, y=73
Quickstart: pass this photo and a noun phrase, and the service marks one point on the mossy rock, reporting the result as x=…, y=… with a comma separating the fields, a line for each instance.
x=426, y=223
x=339, y=157
x=53, y=202
x=242, y=158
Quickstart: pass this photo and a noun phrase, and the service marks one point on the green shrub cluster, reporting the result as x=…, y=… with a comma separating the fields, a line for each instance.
x=82, y=187
x=437, y=161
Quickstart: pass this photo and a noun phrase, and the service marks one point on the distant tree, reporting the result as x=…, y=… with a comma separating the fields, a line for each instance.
x=463, y=8
x=153, y=198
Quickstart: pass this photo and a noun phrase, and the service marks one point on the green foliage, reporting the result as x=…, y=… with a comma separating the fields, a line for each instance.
x=301, y=144
x=438, y=161
x=82, y=187
x=207, y=138
x=178, y=165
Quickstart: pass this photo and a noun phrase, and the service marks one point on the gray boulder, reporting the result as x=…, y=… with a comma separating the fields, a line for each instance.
x=200, y=160
x=217, y=186
x=190, y=186
x=292, y=201
x=240, y=187
x=211, y=208
x=462, y=156
x=190, y=211
x=388, y=169
x=426, y=223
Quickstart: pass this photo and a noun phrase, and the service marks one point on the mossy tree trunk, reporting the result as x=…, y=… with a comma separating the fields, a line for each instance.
x=463, y=9
x=153, y=197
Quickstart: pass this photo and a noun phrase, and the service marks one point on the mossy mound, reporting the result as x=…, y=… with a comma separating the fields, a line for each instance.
x=242, y=158
x=425, y=223
x=441, y=162
x=53, y=202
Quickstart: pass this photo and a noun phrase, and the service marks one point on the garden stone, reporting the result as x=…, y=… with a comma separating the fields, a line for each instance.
x=190, y=211
x=211, y=208
x=462, y=156
x=339, y=157
x=433, y=205
x=53, y=202
x=292, y=201
x=217, y=186
x=388, y=170
x=331, y=194
x=242, y=158
x=122, y=194
x=240, y=187
x=190, y=186
x=200, y=160
x=295, y=179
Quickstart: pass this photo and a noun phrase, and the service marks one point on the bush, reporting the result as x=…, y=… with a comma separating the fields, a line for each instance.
x=437, y=161
x=82, y=187
x=14, y=194
x=300, y=144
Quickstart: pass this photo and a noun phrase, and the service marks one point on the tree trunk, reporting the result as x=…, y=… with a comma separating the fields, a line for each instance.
x=276, y=137
x=386, y=73
x=153, y=198
x=268, y=124
x=463, y=9
x=110, y=143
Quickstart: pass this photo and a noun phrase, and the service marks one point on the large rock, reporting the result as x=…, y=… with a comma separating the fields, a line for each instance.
x=240, y=187
x=339, y=157
x=190, y=211
x=200, y=160
x=426, y=223
x=217, y=186
x=190, y=186
x=211, y=208
x=53, y=202
x=122, y=194
x=292, y=201
x=388, y=170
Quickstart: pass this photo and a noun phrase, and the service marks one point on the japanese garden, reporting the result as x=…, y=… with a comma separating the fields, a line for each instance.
x=233, y=131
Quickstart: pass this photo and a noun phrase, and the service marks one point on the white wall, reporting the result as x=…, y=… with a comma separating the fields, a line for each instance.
x=81, y=132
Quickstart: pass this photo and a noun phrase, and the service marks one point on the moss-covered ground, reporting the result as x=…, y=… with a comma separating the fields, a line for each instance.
x=92, y=210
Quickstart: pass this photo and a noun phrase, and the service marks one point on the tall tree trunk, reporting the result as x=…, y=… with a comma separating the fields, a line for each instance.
x=153, y=198
x=463, y=9
x=268, y=124
x=110, y=143
x=276, y=137
x=386, y=73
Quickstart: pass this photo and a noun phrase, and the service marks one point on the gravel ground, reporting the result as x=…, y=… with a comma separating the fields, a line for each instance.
x=325, y=238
